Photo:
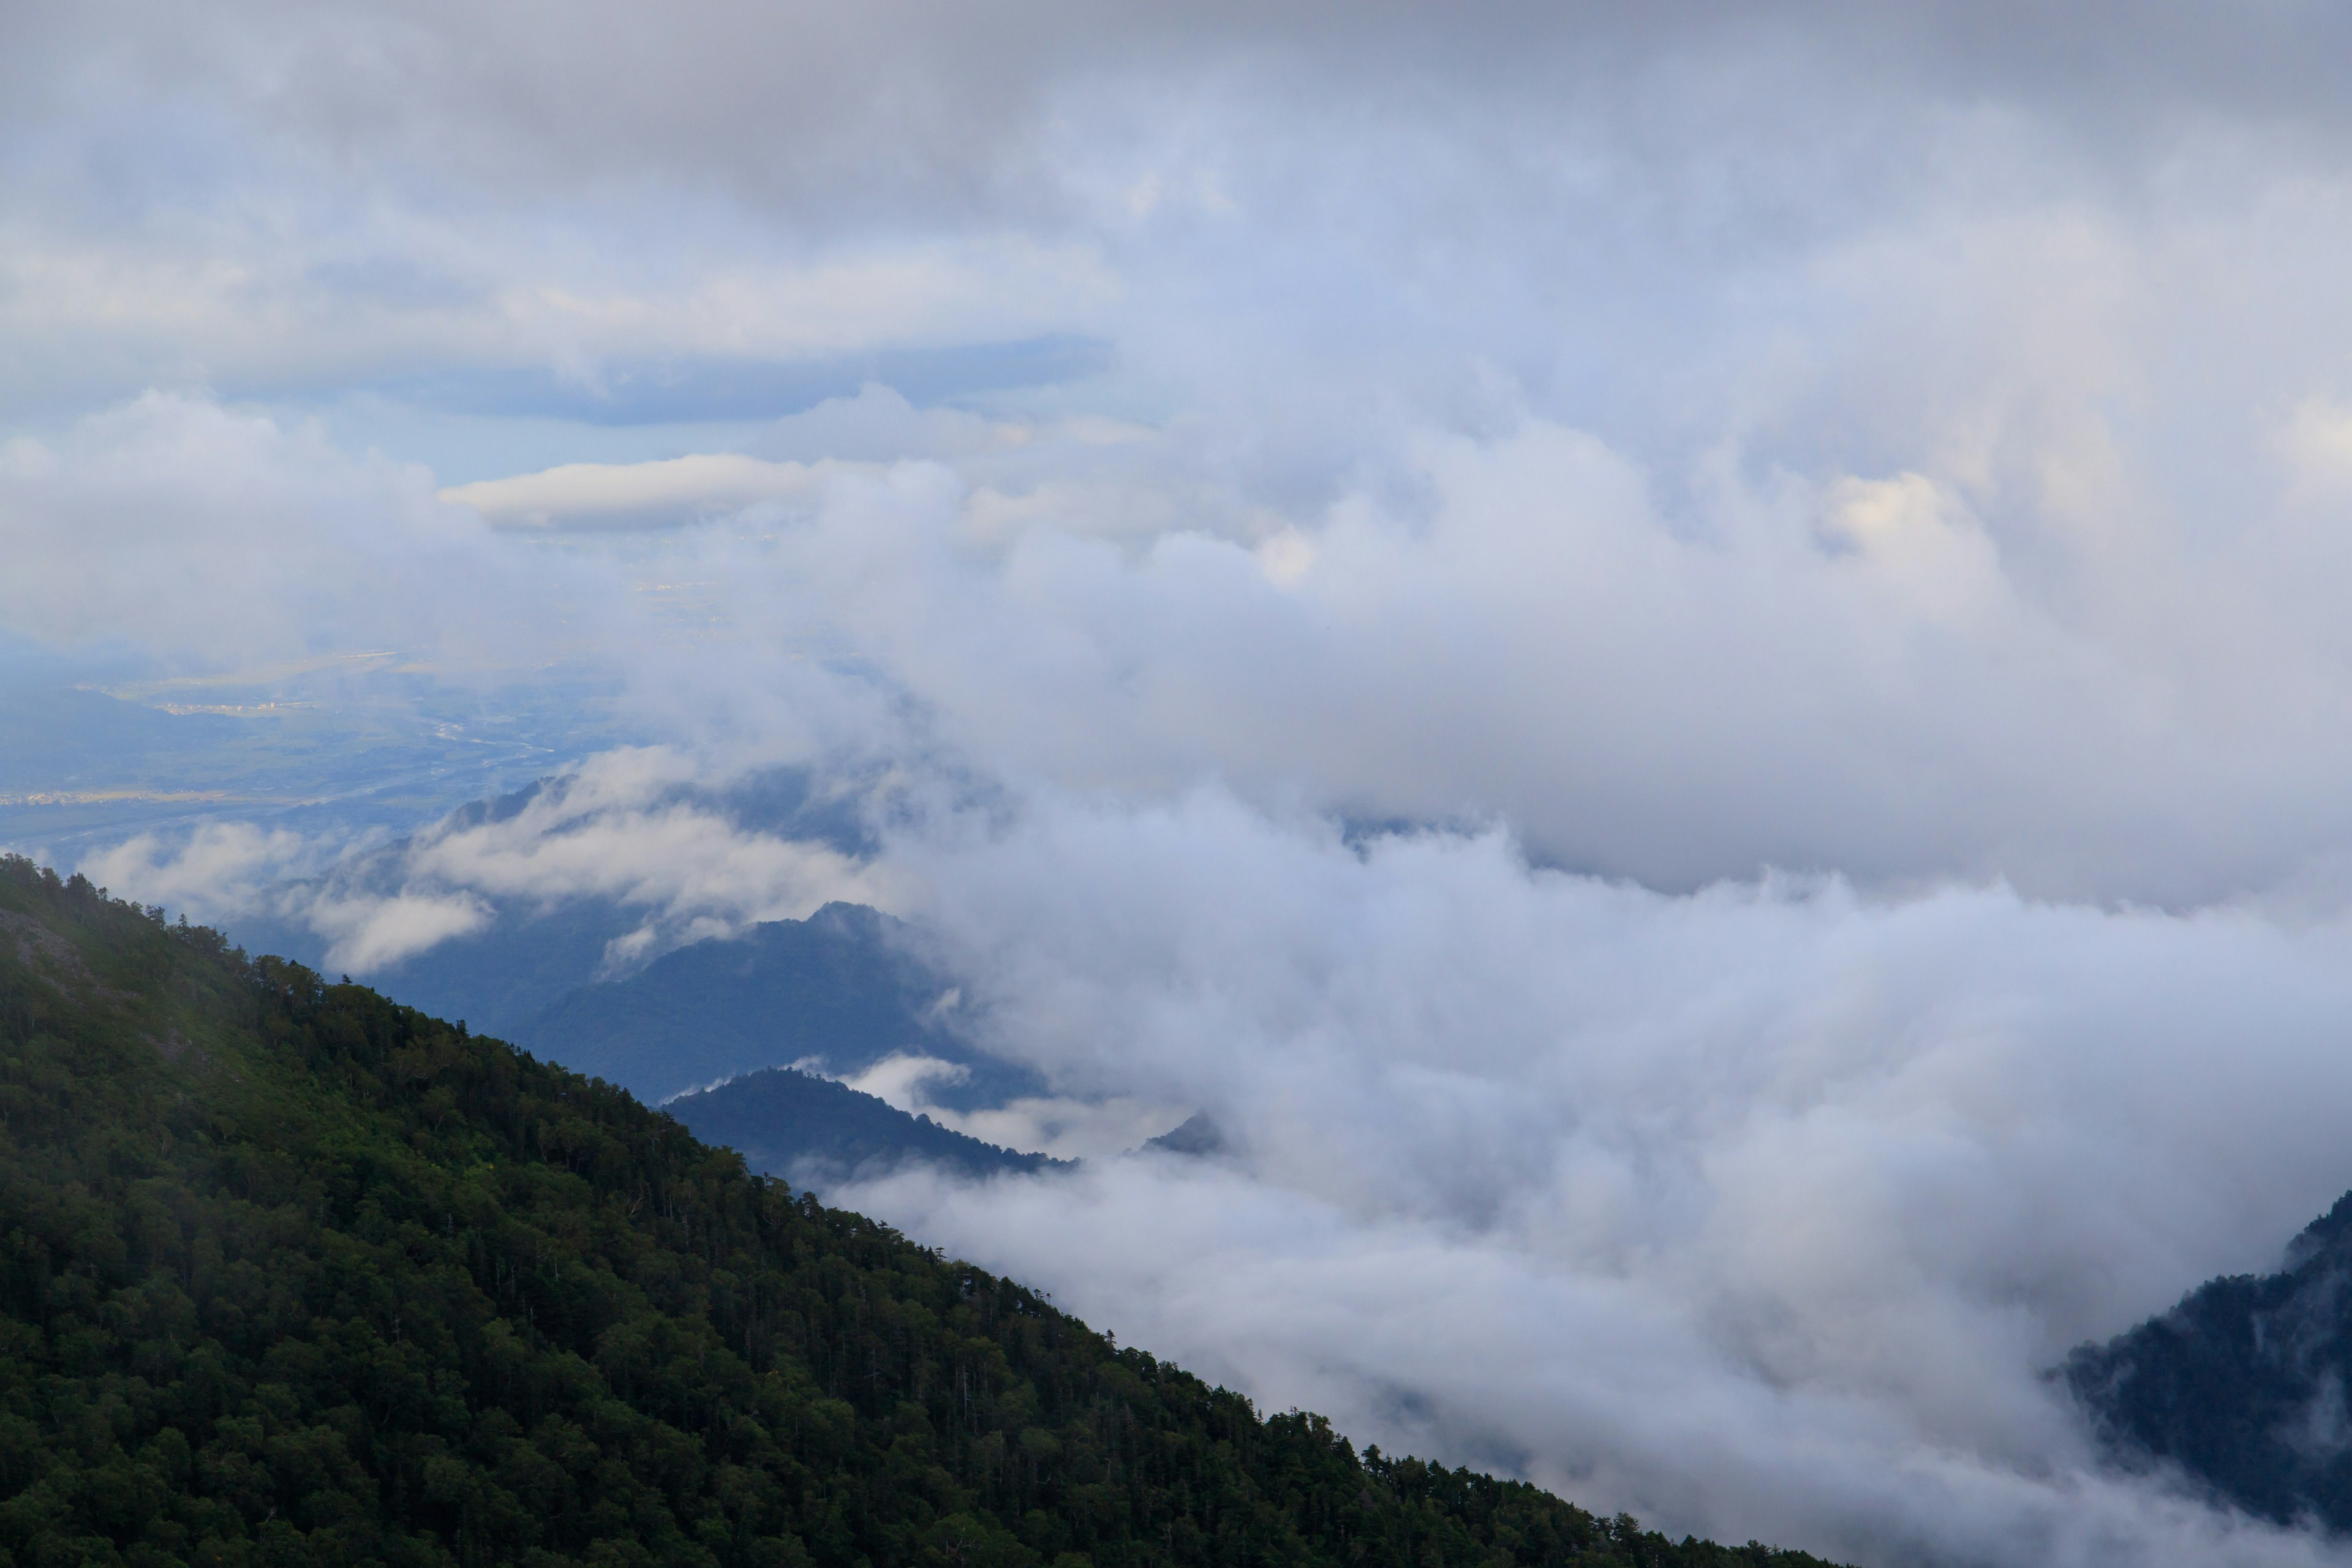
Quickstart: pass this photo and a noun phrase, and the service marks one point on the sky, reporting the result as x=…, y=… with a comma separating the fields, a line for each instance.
x=1686, y=660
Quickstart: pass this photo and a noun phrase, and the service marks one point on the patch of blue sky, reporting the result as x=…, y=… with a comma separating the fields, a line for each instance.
x=469, y=423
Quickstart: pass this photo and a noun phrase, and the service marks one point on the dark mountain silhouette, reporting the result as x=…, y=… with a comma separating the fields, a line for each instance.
x=2242, y=1385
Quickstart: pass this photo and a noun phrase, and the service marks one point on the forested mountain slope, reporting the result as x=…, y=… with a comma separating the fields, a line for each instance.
x=2243, y=1384
x=292, y=1275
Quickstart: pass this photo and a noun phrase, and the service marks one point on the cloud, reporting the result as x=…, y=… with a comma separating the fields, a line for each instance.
x=1760, y=1210
x=1066, y=1127
x=1668, y=674
x=624, y=829
x=636, y=829
x=291, y=202
x=1612, y=1393
x=220, y=867
x=669, y=493
x=201, y=535
x=367, y=933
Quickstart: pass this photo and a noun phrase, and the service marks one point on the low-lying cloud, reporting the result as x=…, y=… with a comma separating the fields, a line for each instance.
x=1761, y=1210
x=627, y=830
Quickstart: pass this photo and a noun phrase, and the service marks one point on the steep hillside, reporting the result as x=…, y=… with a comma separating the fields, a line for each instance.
x=2243, y=1384
x=817, y=1132
x=292, y=1275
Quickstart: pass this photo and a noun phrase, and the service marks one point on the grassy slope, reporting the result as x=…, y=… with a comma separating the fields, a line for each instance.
x=289, y=1274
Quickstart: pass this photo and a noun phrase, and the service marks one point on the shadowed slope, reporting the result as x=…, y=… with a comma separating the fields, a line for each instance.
x=2243, y=1384
x=840, y=989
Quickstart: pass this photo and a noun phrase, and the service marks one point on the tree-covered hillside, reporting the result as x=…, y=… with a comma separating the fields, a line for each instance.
x=2242, y=1384
x=292, y=1275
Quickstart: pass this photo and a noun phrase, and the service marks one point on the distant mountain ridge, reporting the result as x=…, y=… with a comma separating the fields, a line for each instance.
x=2242, y=1385
x=817, y=1134
x=841, y=990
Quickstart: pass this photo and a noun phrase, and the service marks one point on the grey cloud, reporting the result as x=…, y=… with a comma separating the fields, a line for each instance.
x=467, y=202
x=931, y=101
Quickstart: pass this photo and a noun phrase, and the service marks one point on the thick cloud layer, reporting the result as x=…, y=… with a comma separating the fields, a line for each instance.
x=1764, y=1210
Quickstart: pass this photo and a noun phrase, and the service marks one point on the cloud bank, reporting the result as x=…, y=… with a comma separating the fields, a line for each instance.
x=1762, y=1211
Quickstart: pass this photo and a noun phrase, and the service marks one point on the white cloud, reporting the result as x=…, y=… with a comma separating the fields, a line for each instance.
x=1066, y=1127
x=1761, y=1210
x=367, y=933
x=617, y=830
x=199, y=534
x=637, y=495
x=1888, y=676
x=628, y=829
x=222, y=867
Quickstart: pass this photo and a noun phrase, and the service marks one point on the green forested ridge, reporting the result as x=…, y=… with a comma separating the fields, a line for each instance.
x=289, y=1274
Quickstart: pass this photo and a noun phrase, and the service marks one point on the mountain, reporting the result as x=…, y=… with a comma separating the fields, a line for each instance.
x=817, y=1132
x=1198, y=1135
x=290, y=1274
x=522, y=964
x=2242, y=1385
x=841, y=989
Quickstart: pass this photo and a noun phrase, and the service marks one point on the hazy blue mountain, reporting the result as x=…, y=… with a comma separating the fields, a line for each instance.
x=841, y=989
x=501, y=979
x=2242, y=1385
x=814, y=1133
x=1196, y=1134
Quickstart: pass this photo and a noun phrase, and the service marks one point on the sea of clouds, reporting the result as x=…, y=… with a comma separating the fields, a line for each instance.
x=1687, y=665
